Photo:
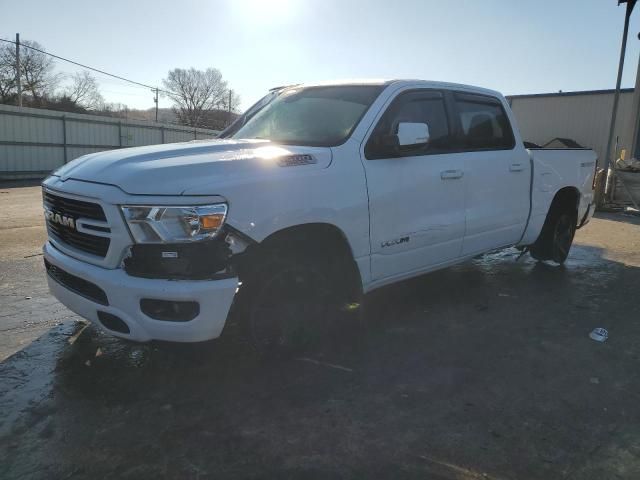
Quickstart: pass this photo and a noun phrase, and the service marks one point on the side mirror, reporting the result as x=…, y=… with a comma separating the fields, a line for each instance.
x=412, y=134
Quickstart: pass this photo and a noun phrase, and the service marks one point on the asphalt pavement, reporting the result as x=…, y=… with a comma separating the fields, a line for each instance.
x=480, y=371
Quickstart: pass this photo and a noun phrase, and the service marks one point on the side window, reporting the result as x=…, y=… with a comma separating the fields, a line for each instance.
x=484, y=123
x=426, y=108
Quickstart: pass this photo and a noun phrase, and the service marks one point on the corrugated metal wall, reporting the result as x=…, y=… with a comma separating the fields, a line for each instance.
x=583, y=117
x=34, y=142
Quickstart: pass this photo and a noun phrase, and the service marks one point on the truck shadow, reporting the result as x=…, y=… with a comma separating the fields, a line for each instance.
x=483, y=368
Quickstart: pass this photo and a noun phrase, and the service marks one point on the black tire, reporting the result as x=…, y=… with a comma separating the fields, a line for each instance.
x=556, y=237
x=286, y=302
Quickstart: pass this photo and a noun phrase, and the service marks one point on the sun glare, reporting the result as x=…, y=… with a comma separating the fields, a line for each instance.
x=270, y=152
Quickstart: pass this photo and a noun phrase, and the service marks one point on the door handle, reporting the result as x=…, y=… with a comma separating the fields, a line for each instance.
x=516, y=167
x=451, y=174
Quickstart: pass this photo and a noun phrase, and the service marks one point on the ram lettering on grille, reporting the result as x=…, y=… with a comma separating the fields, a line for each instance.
x=60, y=219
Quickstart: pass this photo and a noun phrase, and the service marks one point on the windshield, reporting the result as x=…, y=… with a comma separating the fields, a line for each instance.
x=242, y=119
x=317, y=116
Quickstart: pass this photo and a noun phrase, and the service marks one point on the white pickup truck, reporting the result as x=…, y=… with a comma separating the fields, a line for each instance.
x=316, y=196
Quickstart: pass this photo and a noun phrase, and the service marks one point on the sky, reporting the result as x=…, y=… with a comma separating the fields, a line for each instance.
x=514, y=46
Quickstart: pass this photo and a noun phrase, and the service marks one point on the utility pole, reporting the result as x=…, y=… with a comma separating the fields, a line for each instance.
x=18, y=76
x=635, y=132
x=614, y=112
x=155, y=99
x=229, y=107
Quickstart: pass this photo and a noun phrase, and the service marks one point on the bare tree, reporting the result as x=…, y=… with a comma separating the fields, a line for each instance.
x=84, y=91
x=8, y=88
x=195, y=92
x=38, y=77
x=36, y=71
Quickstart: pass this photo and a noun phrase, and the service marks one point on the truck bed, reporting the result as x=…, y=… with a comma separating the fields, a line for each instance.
x=552, y=170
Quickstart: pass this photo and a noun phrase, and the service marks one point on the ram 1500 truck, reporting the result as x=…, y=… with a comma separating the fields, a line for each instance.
x=316, y=196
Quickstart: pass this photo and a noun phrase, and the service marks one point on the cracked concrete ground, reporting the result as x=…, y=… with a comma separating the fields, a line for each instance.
x=484, y=370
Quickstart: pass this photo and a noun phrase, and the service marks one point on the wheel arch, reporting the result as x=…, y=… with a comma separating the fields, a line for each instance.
x=315, y=239
x=546, y=247
x=567, y=197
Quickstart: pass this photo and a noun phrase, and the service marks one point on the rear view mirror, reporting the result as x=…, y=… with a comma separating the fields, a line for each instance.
x=412, y=134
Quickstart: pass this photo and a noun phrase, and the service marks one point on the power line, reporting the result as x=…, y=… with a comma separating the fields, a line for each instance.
x=155, y=90
x=90, y=68
x=121, y=92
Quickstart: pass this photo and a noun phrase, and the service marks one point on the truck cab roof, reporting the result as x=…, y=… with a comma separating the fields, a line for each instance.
x=398, y=82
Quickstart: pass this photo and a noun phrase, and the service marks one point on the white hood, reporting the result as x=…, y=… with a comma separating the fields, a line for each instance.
x=172, y=169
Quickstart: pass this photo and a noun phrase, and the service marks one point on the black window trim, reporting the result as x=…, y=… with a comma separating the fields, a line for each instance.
x=480, y=98
x=434, y=94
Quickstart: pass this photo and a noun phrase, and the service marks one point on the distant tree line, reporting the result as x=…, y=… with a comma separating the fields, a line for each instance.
x=201, y=98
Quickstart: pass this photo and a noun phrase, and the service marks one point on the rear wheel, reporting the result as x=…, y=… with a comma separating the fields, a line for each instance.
x=556, y=237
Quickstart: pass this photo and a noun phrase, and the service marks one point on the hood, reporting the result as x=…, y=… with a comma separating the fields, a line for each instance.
x=172, y=169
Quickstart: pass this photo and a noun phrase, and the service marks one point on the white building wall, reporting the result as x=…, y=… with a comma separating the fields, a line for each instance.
x=583, y=117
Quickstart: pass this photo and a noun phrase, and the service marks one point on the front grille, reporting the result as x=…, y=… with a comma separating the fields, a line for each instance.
x=74, y=208
x=68, y=207
x=76, y=284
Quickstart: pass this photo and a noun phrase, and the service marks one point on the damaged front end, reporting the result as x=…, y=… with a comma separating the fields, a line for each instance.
x=207, y=260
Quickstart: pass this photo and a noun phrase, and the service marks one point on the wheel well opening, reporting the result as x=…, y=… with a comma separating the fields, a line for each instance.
x=566, y=199
x=321, y=241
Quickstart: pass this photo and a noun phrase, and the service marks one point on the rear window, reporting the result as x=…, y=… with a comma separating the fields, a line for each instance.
x=484, y=123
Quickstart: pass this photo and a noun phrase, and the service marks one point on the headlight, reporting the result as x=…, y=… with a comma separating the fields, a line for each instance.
x=149, y=224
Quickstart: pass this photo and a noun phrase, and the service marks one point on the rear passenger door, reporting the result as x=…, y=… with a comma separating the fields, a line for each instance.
x=497, y=174
x=416, y=195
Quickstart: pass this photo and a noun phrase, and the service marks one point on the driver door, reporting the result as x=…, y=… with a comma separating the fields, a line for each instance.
x=416, y=192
